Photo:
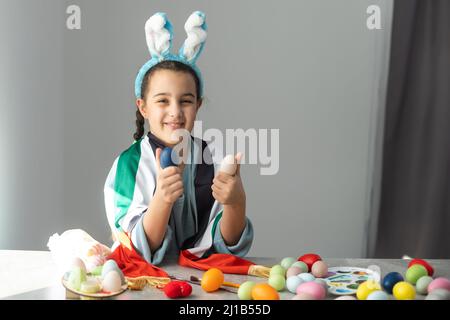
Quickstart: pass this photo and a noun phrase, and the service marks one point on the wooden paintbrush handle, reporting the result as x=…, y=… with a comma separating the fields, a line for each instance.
x=231, y=284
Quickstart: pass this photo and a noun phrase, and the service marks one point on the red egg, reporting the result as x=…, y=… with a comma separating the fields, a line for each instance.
x=427, y=266
x=309, y=259
x=172, y=290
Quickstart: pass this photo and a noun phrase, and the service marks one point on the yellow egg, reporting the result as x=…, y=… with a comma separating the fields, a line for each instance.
x=212, y=280
x=367, y=288
x=263, y=291
x=404, y=291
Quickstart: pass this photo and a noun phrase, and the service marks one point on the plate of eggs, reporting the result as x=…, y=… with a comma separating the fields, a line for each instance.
x=101, y=282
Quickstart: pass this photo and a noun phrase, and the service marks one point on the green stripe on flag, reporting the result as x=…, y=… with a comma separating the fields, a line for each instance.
x=216, y=221
x=125, y=180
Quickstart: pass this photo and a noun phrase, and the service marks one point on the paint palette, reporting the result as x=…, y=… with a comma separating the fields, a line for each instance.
x=345, y=280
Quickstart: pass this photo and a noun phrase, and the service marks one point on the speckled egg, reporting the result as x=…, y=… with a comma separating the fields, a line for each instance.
x=319, y=269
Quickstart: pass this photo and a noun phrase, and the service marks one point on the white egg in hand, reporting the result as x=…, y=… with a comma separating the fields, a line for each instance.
x=112, y=282
x=228, y=165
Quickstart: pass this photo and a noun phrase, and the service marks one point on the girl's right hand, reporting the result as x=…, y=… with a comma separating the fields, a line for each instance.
x=169, y=183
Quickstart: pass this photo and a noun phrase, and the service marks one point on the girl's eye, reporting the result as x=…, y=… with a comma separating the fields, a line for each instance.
x=162, y=101
x=186, y=101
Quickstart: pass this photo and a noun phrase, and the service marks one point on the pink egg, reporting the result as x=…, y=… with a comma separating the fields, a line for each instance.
x=439, y=283
x=319, y=269
x=293, y=271
x=312, y=288
x=303, y=296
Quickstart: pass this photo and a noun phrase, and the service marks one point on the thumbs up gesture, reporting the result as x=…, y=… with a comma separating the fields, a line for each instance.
x=227, y=186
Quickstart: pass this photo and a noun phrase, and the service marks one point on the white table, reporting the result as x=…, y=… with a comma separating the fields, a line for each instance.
x=33, y=275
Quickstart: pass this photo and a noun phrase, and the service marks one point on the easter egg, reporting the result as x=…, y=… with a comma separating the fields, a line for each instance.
x=390, y=280
x=277, y=269
x=322, y=282
x=90, y=286
x=263, y=291
x=319, y=269
x=172, y=290
x=438, y=294
x=312, y=288
x=228, y=165
x=345, y=298
x=378, y=295
x=97, y=271
x=306, y=277
x=77, y=262
x=301, y=265
x=309, y=259
x=76, y=277
x=422, y=284
x=111, y=265
x=366, y=288
x=404, y=291
x=303, y=296
x=439, y=283
x=212, y=280
x=245, y=290
x=277, y=281
x=427, y=266
x=112, y=282
x=293, y=271
x=168, y=158
x=415, y=272
x=286, y=263
x=292, y=283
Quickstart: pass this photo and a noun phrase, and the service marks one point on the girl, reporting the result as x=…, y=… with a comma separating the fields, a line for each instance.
x=189, y=207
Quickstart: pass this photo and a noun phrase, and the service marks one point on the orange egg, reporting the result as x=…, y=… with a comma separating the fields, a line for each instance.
x=212, y=280
x=263, y=291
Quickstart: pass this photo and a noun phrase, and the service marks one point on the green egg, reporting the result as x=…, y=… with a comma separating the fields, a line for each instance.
x=422, y=284
x=245, y=290
x=97, y=271
x=277, y=281
x=76, y=277
x=415, y=272
x=301, y=265
x=277, y=269
x=286, y=263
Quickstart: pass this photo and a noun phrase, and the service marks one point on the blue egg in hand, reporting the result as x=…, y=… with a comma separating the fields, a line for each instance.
x=166, y=159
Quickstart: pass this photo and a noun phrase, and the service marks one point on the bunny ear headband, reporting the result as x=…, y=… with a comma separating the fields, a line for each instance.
x=159, y=34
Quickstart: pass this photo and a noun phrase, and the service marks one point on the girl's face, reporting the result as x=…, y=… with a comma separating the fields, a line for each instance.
x=170, y=103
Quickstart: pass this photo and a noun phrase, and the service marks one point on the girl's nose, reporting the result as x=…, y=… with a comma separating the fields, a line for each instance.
x=175, y=110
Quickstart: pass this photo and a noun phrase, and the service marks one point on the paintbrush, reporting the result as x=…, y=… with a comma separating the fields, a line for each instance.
x=225, y=283
x=196, y=281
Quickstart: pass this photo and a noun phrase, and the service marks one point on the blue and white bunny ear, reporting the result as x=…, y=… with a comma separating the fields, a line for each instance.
x=195, y=28
x=158, y=34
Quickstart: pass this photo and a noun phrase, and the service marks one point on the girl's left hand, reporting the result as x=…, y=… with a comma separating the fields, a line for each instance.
x=228, y=189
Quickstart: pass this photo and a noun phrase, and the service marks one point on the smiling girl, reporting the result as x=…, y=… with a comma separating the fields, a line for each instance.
x=190, y=207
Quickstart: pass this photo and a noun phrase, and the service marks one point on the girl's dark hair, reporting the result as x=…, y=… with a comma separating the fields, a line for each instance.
x=163, y=65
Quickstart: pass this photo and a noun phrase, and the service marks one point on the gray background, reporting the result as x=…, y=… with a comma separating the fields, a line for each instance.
x=309, y=68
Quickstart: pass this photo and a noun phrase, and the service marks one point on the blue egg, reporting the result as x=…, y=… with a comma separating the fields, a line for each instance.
x=292, y=283
x=306, y=277
x=378, y=295
x=111, y=265
x=390, y=280
x=166, y=158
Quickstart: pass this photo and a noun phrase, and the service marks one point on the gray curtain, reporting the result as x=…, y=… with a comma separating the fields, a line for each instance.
x=414, y=216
